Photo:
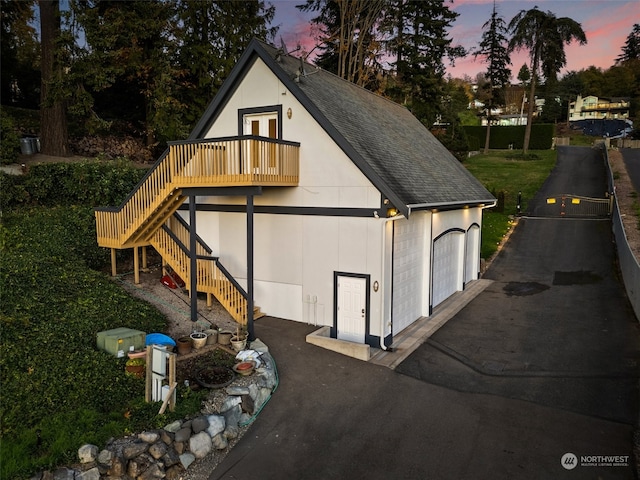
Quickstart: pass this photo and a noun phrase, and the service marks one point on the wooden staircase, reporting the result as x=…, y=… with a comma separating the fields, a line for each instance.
x=170, y=241
x=147, y=217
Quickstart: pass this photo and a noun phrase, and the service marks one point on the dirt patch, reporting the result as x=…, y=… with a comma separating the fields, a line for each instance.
x=175, y=304
x=626, y=196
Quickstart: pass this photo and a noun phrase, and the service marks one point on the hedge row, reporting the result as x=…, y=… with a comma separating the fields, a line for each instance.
x=91, y=183
x=503, y=138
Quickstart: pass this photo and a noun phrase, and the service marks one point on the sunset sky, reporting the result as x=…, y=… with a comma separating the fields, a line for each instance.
x=607, y=23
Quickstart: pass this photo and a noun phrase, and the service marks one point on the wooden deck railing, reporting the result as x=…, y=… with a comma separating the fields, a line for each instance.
x=236, y=161
x=171, y=242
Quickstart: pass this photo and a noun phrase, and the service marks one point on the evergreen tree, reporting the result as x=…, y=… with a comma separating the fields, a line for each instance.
x=494, y=48
x=211, y=39
x=127, y=64
x=20, y=54
x=631, y=48
x=53, y=110
x=416, y=37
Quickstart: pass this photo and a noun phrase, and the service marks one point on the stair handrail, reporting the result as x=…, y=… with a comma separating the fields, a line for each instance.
x=164, y=179
x=215, y=259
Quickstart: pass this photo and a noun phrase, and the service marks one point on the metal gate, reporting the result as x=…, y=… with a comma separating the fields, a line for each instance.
x=568, y=205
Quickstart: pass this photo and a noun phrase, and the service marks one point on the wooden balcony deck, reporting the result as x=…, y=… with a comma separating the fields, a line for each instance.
x=223, y=162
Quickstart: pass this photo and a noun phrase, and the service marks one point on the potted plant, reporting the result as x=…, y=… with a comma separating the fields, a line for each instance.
x=184, y=345
x=239, y=340
x=135, y=367
x=198, y=339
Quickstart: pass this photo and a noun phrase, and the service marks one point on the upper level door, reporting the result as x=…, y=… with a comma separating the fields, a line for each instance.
x=264, y=156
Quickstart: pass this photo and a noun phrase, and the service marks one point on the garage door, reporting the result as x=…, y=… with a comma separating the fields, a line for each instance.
x=448, y=253
x=472, y=261
x=408, y=262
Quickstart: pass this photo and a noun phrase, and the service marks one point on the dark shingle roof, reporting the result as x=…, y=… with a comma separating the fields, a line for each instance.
x=389, y=145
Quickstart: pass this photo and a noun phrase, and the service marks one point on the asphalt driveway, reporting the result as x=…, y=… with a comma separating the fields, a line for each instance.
x=542, y=363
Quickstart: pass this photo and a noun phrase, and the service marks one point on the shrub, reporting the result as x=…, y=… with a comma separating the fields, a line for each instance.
x=9, y=141
x=91, y=183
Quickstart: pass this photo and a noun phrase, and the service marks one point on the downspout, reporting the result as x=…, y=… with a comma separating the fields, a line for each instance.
x=382, y=270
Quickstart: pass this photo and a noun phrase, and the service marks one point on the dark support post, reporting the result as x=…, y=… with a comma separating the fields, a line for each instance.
x=250, y=332
x=193, y=277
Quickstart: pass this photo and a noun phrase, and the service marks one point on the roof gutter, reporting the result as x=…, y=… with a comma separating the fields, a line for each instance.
x=488, y=203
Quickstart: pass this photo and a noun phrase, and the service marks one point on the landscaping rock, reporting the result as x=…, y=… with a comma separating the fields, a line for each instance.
x=219, y=442
x=183, y=434
x=171, y=458
x=174, y=473
x=118, y=467
x=248, y=405
x=149, y=437
x=231, y=418
x=91, y=474
x=173, y=427
x=154, y=471
x=229, y=402
x=237, y=391
x=158, y=450
x=167, y=453
x=216, y=425
x=199, y=424
x=133, y=450
x=200, y=445
x=187, y=459
x=104, y=457
x=87, y=453
x=64, y=474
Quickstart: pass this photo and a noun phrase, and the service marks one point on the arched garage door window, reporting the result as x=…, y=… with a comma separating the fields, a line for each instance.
x=447, y=272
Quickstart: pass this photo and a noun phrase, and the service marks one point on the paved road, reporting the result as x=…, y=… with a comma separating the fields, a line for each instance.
x=542, y=363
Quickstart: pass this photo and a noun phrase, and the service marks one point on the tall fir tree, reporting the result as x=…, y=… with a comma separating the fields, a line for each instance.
x=211, y=38
x=416, y=38
x=631, y=48
x=53, y=109
x=494, y=48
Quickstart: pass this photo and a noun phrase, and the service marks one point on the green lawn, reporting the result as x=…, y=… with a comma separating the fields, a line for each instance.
x=508, y=173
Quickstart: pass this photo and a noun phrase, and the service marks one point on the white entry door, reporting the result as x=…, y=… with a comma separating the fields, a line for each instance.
x=352, y=305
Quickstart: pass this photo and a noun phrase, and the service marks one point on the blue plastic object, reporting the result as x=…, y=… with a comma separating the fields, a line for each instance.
x=160, y=339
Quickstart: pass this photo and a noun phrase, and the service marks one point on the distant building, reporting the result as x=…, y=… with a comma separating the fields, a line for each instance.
x=594, y=108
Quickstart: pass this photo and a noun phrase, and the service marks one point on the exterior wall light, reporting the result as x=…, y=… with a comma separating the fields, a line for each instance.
x=289, y=112
x=392, y=212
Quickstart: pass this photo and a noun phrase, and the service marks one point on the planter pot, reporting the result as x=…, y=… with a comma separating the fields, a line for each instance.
x=199, y=340
x=135, y=370
x=184, y=345
x=212, y=337
x=224, y=338
x=238, y=343
x=244, y=368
